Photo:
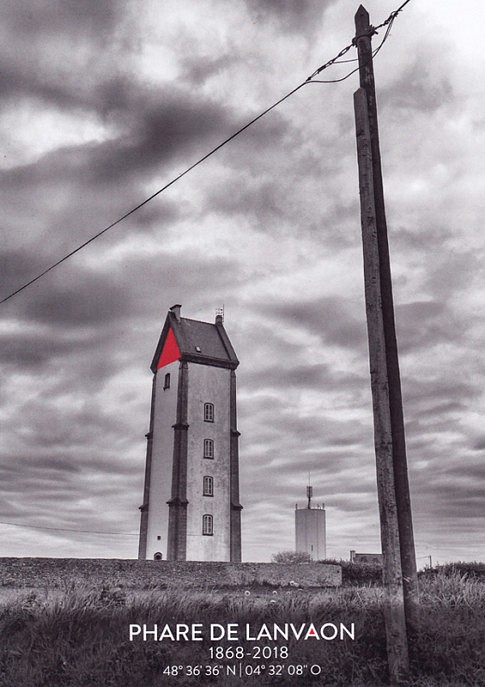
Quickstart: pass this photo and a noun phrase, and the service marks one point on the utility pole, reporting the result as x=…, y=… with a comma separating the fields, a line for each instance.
x=400, y=575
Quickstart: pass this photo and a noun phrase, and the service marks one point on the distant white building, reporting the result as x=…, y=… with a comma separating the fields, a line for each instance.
x=366, y=558
x=310, y=534
x=191, y=508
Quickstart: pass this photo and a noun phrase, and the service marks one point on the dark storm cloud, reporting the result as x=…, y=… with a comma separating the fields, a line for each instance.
x=279, y=429
x=328, y=318
x=75, y=308
x=304, y=15
x=273, y=419
x=418, y=88
x=151, y=129
x=274, y=178
x=453, y=271
x=422, y=323
x=297, y=376
x=94, y=18
x=479, y=444
x=18, y=266
x=75, y=505
x=69, y=454
x=76, y=296
x=89, y=179
x=21, y=84
x=79, y=300
x=424, y=241
x=83, y=311
x=348, y=489
x=44, y=42
x=72, y=363
x=272, y=344
x=447, y=487
x=468, y=473
x=158, y=132
x=160, y=282
x=263, y=198
x=29, y=350
x=63, y=431
x=10, y=507
x=435, y=393
x=155, y=130
x=338, y=469
x=251, y=152
x=200, y=69
x=454, y=501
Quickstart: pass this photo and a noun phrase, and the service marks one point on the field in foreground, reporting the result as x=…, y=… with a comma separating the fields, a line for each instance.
x=79, y=636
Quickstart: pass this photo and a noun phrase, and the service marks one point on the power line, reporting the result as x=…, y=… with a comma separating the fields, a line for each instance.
x=389, y=22
x=335, y=60
x=330, y=62
x=65, y=529
x=392, y=16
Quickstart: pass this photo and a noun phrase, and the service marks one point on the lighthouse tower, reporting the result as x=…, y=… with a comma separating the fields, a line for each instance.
x=191, y=508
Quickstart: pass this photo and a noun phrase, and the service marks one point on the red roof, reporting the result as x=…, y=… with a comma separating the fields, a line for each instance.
x=195, y=341
x=170, y=351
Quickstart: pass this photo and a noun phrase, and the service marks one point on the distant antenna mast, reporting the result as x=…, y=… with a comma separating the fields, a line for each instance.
x=309, y=493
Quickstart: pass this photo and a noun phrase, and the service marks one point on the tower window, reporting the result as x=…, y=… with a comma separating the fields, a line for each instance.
x=208, y=412
x=166, y=383
x=208, y=448
x=207, y=525
x=208, y=486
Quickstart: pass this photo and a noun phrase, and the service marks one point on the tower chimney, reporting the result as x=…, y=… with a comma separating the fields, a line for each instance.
x=176, y=311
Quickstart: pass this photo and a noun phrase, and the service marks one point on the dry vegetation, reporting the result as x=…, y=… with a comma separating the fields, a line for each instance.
x=77, y=635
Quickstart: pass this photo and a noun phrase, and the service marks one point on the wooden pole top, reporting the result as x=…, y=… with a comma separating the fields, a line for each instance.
x=362, y=19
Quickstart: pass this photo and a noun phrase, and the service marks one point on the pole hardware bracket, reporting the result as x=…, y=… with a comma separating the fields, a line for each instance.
x=371, y=31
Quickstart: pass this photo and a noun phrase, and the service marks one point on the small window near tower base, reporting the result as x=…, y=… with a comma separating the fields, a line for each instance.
x=157, y=556
x=208, y=448
x=166, y=383
x=208, y=412
x=207, y=526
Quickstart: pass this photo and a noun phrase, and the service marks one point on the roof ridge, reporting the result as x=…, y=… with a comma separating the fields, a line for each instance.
x=190, y=319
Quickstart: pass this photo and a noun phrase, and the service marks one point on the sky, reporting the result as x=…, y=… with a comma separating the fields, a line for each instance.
x=106, y=101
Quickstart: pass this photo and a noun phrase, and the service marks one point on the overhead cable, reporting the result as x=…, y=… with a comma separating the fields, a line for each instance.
x=65, y=529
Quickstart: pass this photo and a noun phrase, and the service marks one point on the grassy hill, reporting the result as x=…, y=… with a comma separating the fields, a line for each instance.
x=69, y=626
